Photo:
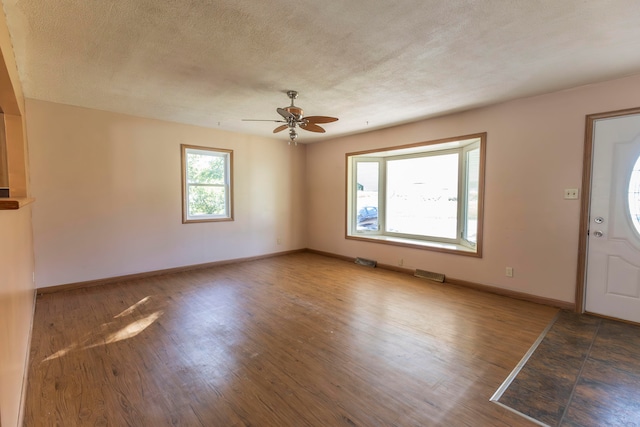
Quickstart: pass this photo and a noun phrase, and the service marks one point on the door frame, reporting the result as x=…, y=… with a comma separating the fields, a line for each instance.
x=587, y=165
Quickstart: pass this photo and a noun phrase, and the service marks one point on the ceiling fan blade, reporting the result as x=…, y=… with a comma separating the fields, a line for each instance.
x=284, y=113
x=320, y=119
x=280, y=128
x=312, y=127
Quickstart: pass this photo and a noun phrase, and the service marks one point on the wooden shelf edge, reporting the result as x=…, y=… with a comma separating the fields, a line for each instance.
x=15, y=203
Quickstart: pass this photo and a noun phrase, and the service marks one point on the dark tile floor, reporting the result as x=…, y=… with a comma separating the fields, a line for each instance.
x=584, y=372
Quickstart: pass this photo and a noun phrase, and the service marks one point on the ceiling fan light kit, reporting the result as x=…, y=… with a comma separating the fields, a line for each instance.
x=294, y=117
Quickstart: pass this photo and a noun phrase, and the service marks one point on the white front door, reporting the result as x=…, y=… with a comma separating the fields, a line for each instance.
x=613, y=256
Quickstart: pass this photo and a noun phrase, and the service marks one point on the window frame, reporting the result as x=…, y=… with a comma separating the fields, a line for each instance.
x=4, y=161
x=462, y=145
x=464, y=196
x=186, y=149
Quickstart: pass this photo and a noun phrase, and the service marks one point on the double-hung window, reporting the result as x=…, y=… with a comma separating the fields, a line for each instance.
x=206, y=184
x=426, y=195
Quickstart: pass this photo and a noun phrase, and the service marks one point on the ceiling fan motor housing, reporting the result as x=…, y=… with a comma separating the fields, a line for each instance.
x=296, y=111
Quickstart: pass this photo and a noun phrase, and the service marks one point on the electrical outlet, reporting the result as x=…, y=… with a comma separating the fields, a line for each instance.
x=571, y=193
x=401, y=262
x=279, y=240
x=509, y=272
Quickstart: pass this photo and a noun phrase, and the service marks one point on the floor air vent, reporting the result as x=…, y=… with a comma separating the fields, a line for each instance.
x=366, y=262
x=436, y=277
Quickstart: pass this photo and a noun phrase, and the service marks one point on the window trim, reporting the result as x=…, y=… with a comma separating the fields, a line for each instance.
x=4, y=162
x=228, y=184
x=406, y=151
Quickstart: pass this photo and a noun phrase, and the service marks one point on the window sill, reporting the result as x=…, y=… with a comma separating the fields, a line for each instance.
x=451, y=248
x=15, y=203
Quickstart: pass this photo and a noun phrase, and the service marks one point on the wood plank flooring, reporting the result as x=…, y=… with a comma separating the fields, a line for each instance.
x=295, y=340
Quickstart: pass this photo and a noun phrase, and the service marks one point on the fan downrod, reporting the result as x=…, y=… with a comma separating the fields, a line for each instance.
x=292, y=94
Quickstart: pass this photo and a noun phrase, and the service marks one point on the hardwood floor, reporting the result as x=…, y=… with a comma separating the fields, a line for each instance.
x=296, y=340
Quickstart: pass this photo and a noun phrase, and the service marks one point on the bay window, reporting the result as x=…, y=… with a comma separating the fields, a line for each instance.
x=427, y=195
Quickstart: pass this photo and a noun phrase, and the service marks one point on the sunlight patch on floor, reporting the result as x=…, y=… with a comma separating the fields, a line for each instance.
x=123, y=332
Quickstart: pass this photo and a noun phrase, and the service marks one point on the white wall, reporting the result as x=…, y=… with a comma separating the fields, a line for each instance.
x=16, y=247
x=108, y=193
x=534, y=152
x=16, y=309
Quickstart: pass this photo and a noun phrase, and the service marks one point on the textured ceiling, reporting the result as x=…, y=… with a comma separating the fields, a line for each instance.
x=371, y=63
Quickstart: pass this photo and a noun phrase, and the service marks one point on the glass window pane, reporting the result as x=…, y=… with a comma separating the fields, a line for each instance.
x=367, y=174
x=205, y=169
x=422, y=196
x=473, y=178
x=205, y=200
x=634, y=195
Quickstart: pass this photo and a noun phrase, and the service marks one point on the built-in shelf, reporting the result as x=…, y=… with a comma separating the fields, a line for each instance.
x=15, y=203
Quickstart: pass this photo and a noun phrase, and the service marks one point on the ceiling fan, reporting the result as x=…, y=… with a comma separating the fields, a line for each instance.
x=294, y=117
